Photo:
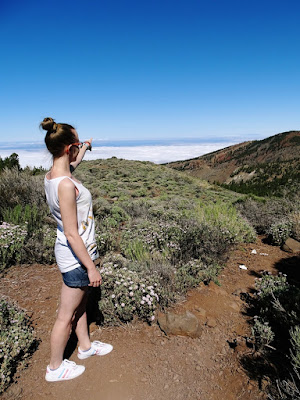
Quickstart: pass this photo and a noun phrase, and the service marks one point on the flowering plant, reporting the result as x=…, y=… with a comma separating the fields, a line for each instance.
x=125, y=294
x=16, y=340
x=11, y=243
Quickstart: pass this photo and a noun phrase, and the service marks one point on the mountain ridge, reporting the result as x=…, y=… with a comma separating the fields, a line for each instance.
x=249, y=164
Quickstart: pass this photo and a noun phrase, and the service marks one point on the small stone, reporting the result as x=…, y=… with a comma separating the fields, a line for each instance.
x=144, y=380
x=166, y=387
x=198, y=368
x=242, y=266
x=234, y=306
x=211, y=322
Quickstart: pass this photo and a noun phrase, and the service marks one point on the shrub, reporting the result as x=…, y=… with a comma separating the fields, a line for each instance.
x=263, y=213
x=16, y=339
x=262, y=334
x=189, y=275
x=21, y=188
x=279, y=232
x=126, y=294
x=225, y=216
x=295, y=342
x=39, y=246
x=295, y=222
x=277, y=322
x=12, y=239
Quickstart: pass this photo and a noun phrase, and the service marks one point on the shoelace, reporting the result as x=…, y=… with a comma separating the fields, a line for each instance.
x=70, y=363
x=98, y=343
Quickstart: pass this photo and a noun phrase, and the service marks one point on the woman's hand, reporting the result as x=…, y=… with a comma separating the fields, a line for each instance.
x=94, y=277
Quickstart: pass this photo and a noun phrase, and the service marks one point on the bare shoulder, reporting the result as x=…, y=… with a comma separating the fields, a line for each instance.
x=66, y=186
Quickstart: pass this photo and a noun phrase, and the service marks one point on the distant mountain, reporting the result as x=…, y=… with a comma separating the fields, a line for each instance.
x=264, y=167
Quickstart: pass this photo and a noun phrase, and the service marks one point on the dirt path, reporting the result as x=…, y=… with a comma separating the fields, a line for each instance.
x=145, y=364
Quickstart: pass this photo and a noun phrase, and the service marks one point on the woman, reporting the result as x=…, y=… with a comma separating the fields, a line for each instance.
x=75, y=249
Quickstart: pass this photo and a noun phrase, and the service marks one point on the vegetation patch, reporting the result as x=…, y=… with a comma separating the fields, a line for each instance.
x=276, y=335
x=17, y=341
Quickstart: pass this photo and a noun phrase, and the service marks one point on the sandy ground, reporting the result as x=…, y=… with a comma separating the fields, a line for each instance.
x=145, y=363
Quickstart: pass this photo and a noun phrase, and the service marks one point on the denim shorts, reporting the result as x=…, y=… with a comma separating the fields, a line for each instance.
x=78, y=277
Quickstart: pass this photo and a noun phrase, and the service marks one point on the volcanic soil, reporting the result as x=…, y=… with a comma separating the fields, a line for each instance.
x=145, y=363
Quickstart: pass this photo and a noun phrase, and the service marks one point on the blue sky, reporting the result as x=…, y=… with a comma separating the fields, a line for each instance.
x=150, y=69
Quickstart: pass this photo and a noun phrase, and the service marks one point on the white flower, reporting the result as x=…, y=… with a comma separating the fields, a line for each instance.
x=142, y=302
x=122, y=304
x=113, y=296
x=130, y=294
x=152, y=318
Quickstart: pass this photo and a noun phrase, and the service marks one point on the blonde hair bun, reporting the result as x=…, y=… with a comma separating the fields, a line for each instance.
x=49, y=125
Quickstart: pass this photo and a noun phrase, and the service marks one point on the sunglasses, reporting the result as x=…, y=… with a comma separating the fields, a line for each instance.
x=78, y=145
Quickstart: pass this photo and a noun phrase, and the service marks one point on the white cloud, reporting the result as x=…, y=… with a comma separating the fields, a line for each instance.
x=156, y=154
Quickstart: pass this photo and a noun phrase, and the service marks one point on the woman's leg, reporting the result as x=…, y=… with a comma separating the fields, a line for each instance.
x=71, y=299
x=80, y=325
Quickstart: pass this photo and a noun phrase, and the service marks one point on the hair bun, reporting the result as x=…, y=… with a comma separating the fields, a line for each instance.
x=49, y=125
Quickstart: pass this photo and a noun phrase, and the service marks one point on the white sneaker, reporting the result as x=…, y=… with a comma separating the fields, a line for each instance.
x=97, y=349
x=67, y=370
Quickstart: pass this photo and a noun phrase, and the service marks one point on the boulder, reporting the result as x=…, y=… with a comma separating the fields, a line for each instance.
x=185, y=324
x=291, y=246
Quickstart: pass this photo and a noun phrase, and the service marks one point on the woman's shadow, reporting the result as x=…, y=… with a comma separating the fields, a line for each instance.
x=94, y=315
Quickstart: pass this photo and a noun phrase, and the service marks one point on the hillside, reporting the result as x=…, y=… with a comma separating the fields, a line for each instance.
x=262, y=167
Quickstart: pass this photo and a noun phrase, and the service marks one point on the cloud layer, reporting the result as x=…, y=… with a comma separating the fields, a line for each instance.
x=157, y=154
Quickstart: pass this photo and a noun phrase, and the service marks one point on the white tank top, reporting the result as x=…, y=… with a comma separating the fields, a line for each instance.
x=65, y=257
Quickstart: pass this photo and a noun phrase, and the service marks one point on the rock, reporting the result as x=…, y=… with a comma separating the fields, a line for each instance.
x=211, y=322
x=234, y=306
x=185, y=324
x=291, y=246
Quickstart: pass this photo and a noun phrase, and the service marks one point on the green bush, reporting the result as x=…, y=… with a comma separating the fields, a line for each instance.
x=295, y=342
x=279, y=232
x=262, y=334
x=295, y=222
x=16, y=341
x=19, y=188
x=262, y=213
x=125, y=294
x=12, y=239
x=276, y=333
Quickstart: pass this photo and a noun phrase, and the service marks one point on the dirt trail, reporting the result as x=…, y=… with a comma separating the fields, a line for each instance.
x=145, y=364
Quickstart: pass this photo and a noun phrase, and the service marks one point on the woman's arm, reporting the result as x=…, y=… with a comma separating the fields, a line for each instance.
x=68, y=210
x=82, y=150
